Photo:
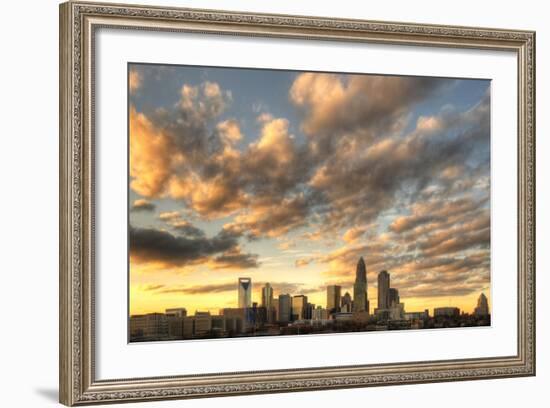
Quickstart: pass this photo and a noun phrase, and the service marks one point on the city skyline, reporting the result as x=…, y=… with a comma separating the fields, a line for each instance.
x=290, y=177
x=294, y=314
x=465, y=303
x=244, y=288
x=482, y=302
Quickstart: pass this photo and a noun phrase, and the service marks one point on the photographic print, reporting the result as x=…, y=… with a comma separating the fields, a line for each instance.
x=269, y=202
x=382, y=189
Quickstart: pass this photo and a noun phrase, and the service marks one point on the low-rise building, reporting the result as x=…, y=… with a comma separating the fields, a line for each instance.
x=203, y=323
x=339, y=317
x=319, y=313
x=149, y=326
x=416, y=315
x=446, y=312
x=180, y=327
x=240, y=318
x=219, y=323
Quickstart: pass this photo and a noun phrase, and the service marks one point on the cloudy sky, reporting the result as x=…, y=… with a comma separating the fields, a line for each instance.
x=289, y=177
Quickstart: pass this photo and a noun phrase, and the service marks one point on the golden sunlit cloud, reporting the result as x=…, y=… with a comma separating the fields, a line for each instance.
x=142, y=204
x=151, y=156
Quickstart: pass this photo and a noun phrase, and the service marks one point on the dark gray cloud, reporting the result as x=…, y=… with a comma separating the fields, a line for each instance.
x=151, y=245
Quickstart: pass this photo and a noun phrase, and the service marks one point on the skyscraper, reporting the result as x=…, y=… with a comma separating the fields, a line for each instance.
x=393, y=299
x=275, y=310
x=245, y=293
x=285, y=308
x=384, y=290
x=360, y=287
x=334, y=293
x=267, y=296
x=267, y=302
x=319, y=313
x=482, y=308
x=299, y=305
x=310, y=307
x=346, y=303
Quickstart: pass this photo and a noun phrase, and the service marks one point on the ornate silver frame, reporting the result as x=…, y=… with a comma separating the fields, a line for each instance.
x=78, y=22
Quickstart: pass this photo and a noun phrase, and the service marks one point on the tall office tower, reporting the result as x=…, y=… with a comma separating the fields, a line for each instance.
x=267, y=296
x=285, y=308
x=245, y=293
x=299, y=305
x=393, y=297
x=384, y=290
x=310, y=307
x=346, y=303
x=334, y=293
x=360, y=296
x=267, y=303
x=275, y=310
x=482, y=308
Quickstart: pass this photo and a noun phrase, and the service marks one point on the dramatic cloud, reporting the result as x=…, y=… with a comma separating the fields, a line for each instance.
x=166, y=145
x=142, y=205
x=156, y=246
x=151, y=156
x=175, y=155
x=437, y=251
x=367, y=169
x=368, y=104
x=393, y=169
x=272, y=219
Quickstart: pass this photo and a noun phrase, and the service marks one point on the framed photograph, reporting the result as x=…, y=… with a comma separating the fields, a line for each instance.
x=258, y=203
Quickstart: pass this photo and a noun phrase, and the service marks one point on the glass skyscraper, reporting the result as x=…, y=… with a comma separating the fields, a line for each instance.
x=245, y=293
x=360, y=296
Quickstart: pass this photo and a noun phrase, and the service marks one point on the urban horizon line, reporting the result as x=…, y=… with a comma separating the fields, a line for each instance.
x=294, y=314
x=293, y=295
